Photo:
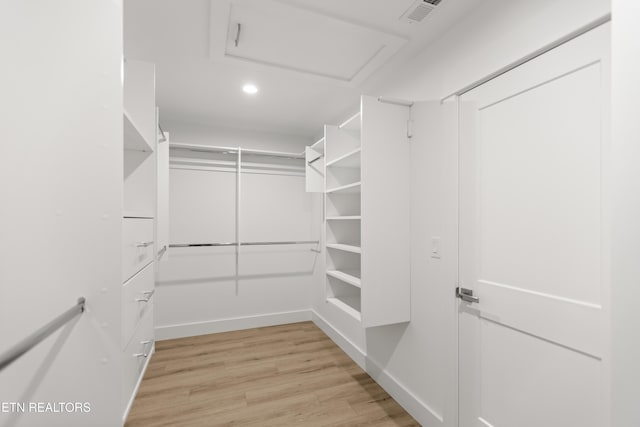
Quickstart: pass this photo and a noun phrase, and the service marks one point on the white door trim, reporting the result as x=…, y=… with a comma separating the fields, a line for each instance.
x=544, y=49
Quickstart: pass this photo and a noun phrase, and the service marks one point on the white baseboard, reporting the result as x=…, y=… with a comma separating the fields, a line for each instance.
x=353, y=351
x=234, y=324
x=414, y=406
x=419, y=410
x=135, y=389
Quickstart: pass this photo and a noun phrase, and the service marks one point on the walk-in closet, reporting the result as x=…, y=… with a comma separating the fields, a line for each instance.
x=332, y=213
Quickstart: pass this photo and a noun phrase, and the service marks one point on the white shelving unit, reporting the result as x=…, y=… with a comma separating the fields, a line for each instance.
x=366, y=182
x=139, y=231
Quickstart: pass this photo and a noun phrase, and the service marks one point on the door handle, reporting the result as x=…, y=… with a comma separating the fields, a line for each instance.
x=466, y=295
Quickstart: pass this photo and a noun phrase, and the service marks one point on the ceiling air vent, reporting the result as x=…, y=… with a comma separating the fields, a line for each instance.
x=419, y=10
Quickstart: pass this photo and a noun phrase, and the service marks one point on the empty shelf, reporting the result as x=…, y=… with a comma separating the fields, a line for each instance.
x=352, y=123
x=350, y=305
x=348, y=160
x=346, y=277
x=319, y=146
x=343, y=247
x=349, y=188
x=338, y=218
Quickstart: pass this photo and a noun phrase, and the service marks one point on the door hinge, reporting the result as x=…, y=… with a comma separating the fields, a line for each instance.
x=466, y=295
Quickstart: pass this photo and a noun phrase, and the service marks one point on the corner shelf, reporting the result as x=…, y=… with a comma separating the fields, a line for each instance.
x=345, y=277
x=348, y=304
x=345, y=248
x=349, y=188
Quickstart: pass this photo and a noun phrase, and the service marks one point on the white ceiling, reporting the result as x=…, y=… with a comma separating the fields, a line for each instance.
x=310, y=59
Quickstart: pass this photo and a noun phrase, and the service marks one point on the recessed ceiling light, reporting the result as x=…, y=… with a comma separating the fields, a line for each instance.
x=250, y=89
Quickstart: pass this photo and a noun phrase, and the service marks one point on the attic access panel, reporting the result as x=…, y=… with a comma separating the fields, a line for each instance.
x=282, y=35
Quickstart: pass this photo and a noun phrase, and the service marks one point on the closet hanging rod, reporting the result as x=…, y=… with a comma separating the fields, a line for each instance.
x=315, y=160
x=197, y=245
x=38, y=336
x=245, y=151
x=395, y=101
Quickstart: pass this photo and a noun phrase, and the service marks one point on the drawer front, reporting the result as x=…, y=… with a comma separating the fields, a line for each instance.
x=137, y=300
x=138, y=246
x=135, y=356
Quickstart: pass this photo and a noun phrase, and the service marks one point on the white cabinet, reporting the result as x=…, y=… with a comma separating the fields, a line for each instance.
x=367, y=201
x=139, y=240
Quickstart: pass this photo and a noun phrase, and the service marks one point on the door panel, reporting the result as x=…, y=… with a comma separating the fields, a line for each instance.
x=532, y=147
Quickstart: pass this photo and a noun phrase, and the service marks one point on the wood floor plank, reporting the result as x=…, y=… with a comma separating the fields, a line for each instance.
x=286, y=375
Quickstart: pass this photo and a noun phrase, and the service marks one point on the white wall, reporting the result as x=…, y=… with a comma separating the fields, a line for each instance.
x=416, y=361
x=197, y=291
x=626, y=213
x=61, y=202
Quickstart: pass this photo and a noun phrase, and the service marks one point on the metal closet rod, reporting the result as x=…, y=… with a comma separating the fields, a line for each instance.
x=38, y=336
x=245, y=151
x=197, y=245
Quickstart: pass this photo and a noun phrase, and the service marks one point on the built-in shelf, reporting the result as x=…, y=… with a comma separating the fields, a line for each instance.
x=349, y=188
x=346, y=248
x=133, y=138
x=348, y=160
x=368, y=276
x=345, y=276
x=348, y=304
x=319, y=145
x=352, y=123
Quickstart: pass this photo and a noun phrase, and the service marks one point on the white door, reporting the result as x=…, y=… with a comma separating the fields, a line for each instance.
x=533, y=150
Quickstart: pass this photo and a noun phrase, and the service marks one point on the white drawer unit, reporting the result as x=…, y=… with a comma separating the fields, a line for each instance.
x=138, y=245
x=137, y=299
x=135, y=357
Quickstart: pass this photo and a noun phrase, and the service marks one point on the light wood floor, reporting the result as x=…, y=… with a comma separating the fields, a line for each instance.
x=289, y=375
